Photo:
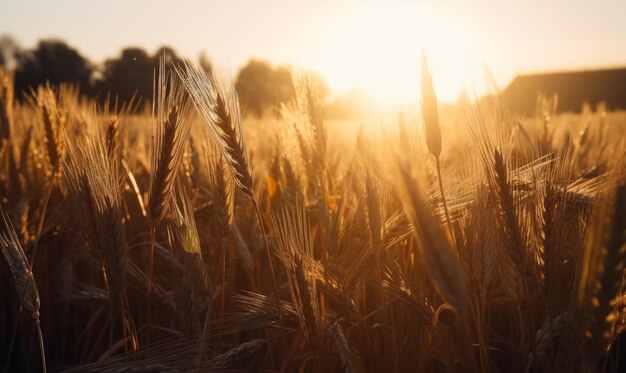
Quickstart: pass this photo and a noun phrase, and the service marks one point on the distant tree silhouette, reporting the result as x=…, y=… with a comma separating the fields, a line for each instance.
x=169, y=55
x=261, y=87
x=253, y=86
x=282, y=87
x=53, y=61
x=130, y=74
x=133, y=72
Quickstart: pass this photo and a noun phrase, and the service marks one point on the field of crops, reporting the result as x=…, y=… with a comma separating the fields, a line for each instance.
x=156, y=237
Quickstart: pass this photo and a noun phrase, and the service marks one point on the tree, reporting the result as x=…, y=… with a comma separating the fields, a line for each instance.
x=130, y=74
x=169, y=55
x=253, y=86
x=282, y=86
x=53, y=61
x=261, y=87
x=133, y=72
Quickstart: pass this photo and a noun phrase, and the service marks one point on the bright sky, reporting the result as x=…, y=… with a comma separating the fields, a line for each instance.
x=373, y=46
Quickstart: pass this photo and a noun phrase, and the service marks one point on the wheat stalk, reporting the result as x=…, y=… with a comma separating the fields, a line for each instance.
x=6, y=106
x=218, y=106
x=442, y=263
x=113, y=137
x=172, y=113
x=25, y=285
x=193, y=293
x=53, y=122
x=431, y=126
x=604, y=281
x=295, y=251
x=92, y=180
x=234, y=357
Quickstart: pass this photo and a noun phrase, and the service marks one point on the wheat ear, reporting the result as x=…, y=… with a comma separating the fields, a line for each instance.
x=218, y=105
x=296, y=253
x=172, y=112
x=432, y=129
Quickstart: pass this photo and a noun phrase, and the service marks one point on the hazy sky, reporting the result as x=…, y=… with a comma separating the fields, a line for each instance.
x=370, y=45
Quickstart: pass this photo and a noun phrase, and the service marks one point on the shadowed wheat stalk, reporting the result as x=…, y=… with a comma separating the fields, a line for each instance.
x=172, y=113
x=92, y=179
x=442, y=263
x=25, y=285
x=295, y=251
x=218, y=106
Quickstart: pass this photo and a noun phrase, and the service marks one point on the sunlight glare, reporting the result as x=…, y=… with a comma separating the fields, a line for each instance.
x=376, y=49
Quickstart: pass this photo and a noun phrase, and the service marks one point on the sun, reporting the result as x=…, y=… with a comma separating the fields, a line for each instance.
x=376, y=48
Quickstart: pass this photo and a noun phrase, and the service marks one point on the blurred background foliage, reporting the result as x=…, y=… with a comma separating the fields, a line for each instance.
x=261, y=86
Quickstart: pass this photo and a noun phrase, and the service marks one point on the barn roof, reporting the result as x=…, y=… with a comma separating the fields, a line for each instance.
x=572, y=87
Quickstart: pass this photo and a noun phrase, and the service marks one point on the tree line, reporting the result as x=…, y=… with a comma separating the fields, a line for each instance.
x=261, y=86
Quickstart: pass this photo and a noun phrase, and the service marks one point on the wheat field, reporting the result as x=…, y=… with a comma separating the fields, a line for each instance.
x=176, y=235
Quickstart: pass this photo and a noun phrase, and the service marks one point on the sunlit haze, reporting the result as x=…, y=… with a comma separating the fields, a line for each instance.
x=369, y=46
x=375, y=48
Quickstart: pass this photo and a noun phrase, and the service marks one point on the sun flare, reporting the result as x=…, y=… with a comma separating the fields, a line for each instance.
x=376, y=49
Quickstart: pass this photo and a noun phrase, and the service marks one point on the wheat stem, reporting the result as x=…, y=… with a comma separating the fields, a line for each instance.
x=150, y=275
x=269, y=260
x=32, y=260
x=443, y=197
x=41, y=347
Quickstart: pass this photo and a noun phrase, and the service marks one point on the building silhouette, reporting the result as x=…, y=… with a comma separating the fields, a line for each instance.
x=573, y=89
